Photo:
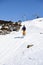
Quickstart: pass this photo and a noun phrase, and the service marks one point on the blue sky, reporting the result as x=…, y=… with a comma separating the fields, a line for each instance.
x=15, y=10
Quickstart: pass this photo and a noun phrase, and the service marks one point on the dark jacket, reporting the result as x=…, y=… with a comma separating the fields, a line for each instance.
x=23, y=28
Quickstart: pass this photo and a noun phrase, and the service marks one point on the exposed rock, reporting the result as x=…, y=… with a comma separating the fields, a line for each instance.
x=8, y=26
x=28, y=46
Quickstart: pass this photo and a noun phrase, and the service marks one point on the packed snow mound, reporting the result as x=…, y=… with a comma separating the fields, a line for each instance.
x=38, y=22
x=16, y=49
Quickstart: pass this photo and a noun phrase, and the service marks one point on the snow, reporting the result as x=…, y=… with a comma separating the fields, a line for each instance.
x=0, y=26
x=13, y=46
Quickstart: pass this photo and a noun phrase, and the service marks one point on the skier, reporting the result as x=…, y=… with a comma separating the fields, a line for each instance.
x=24, y=30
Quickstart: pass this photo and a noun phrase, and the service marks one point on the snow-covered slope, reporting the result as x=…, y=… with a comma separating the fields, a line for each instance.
x=13, y=46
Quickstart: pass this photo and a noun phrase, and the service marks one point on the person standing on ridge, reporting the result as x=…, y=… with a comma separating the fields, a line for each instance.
x=24, y=30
